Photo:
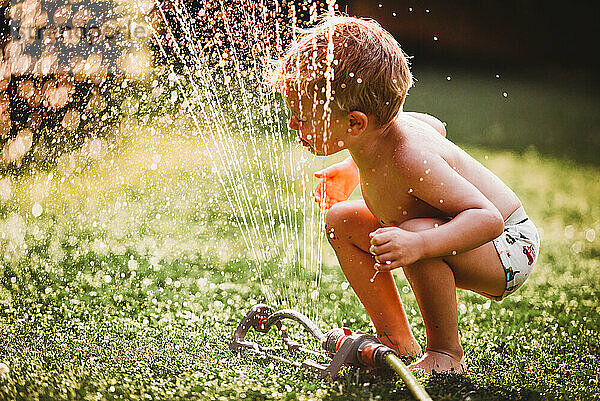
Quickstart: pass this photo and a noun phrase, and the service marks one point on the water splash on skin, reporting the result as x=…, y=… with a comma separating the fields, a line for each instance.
x=372, y=280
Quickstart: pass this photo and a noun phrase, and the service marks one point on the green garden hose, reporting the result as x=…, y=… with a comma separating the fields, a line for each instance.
x=409, y=379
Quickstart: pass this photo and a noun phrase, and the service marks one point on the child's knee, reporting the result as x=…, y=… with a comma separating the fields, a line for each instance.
x=337, y=219
x=339, y=214
x=350, y=220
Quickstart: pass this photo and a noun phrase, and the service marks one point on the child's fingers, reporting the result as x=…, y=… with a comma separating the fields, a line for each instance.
x=324, y=202
x=384, y=267
x=319, y=190
x=321, y=201
x=384, y=229
x=385, y=235
x=381, y=267
x=379, y=231
x=329, y=171
x=379, y=239
x=385, y=259
x=324, y=173
x=381, y=249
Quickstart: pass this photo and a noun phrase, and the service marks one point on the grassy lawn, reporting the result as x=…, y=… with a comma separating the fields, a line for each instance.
x=130, y=281
x=512, y=112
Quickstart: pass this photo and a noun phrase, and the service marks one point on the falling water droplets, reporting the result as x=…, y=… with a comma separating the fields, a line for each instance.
x=590, y=234
x=37, y=210
x=132, y=264
x=4, y=370
x=372, y=279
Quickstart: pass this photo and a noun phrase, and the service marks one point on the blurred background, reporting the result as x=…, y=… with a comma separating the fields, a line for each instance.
x=516, y=75
x=519, y=75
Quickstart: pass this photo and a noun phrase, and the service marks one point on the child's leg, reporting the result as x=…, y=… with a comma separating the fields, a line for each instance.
x=348, y=226
x=434, y=283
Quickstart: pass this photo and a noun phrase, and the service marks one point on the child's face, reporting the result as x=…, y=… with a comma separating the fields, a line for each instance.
x=323, y=134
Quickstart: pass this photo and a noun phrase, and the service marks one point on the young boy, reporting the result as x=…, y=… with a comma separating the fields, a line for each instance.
x=428, y=207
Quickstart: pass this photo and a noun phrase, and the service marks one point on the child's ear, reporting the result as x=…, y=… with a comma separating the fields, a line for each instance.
x=357, y=122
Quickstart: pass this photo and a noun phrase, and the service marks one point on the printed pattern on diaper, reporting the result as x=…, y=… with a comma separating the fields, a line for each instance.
x=528, y=251
x=517, y=249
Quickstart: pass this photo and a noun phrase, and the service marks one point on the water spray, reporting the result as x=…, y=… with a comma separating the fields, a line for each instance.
x=342, y=347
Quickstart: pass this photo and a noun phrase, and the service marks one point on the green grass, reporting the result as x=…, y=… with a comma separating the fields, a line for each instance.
x=121, y=290
x=555, y=117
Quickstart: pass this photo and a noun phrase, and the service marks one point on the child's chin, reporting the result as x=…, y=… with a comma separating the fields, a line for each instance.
x=314, y=151
x=327, y=152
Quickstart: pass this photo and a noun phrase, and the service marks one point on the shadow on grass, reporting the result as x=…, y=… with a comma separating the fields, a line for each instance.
x=439, y=387
x=463, y=387
x=358, y=384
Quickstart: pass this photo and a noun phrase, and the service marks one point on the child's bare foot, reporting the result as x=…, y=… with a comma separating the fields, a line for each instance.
x=403, y=346
x=440, y=362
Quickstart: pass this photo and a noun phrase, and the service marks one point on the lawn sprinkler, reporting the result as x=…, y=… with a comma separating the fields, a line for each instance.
x=342, y=347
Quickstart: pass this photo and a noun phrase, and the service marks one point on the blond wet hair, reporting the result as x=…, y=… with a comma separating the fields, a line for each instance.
x=353, y=60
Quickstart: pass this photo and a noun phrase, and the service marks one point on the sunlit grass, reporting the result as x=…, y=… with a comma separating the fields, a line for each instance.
x=128, y=284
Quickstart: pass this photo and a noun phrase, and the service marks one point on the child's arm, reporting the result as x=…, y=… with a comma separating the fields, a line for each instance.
x=431, y=120
x=475, y=220
x=337, y=183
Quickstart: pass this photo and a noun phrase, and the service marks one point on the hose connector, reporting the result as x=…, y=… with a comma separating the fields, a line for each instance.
x=373, y=354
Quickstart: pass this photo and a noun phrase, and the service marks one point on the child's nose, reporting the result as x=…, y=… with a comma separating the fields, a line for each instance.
x=293, y=123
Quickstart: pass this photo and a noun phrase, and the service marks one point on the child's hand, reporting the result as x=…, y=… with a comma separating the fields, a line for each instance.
x=337, y=183
x=394, y=247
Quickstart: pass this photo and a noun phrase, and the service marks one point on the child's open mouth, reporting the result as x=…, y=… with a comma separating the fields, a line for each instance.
x=303, y=142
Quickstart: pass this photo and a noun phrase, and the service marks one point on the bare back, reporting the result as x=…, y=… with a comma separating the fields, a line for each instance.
x=387, y=191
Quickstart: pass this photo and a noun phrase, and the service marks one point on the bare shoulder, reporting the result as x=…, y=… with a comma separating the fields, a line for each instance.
x=430, y=120
x=417, y=145
x=413, y=161
x=434, y=169
x=420, y=152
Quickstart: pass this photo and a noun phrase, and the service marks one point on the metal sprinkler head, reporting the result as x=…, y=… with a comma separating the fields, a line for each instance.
x=342, y=346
